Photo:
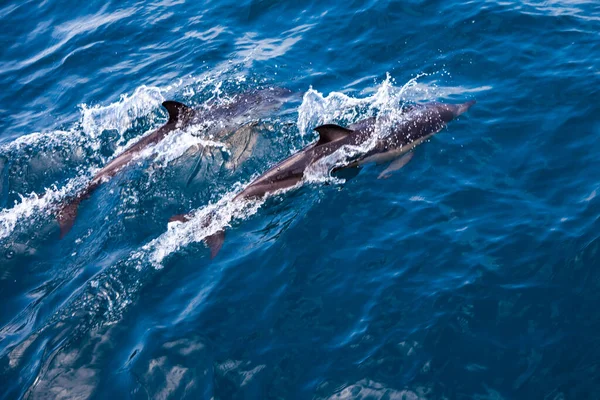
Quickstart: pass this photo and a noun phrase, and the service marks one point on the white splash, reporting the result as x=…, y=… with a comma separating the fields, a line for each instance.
x=121, y=115
x=317, y=109
x=384, y=104
x=204, y=222
x=34, y=206
x=48, y=139
x=94, y=120
x=177, y=145
x=85, y=137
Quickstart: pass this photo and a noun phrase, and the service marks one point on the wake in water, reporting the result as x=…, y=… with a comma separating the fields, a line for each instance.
x=108, y=129
x=208, y=223
x=92, y=138
x=102, y=298
x=216, y=120
x=105, y=132
x=86, y=140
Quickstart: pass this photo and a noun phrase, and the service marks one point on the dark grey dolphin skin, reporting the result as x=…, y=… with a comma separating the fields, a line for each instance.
x=417, y=125
x=219, y=120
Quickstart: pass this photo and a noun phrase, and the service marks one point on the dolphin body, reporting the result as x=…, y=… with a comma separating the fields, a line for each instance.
x=417, y=125
x=220, y=120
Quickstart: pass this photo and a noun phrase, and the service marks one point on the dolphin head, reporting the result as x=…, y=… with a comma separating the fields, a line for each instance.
x=450, y=111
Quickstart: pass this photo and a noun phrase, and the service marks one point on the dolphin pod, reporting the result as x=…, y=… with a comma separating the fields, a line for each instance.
x=222, y=120
x=418, y=124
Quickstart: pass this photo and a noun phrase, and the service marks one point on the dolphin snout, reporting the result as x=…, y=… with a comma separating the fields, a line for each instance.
x=463, y=108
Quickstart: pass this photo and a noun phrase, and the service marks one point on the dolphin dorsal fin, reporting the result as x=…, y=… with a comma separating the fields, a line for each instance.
x=177, y=111
x=331, y=133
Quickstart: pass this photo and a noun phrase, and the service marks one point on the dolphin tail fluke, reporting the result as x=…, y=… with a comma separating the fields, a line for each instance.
x=68, y=211
x=66, y=216
x=215, y=242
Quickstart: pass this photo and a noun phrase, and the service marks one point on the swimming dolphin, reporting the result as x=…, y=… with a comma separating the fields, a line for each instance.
x=417, y=125
x=218, y=120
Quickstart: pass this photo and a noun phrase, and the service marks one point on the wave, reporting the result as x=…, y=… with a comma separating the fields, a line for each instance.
x=119, y=282
x=88, y=138
x=104, y=132
x=105, y=296
x=315, y=109
x=83, y=141
x=385, y=104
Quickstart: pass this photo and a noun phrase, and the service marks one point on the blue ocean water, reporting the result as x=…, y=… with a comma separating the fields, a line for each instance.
x=472, y=272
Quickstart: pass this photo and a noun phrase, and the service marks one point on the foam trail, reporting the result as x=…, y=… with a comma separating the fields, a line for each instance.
x=85, y=138
x=34, y=206
x=219, y=216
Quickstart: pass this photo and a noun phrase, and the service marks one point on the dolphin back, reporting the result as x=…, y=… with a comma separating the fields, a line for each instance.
x=178, y=112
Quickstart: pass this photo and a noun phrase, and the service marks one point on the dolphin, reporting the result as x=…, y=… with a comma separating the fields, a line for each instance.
x=218, y=121
x=418, y=124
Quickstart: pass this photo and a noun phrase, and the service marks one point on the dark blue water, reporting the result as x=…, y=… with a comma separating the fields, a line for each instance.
x=473, y=272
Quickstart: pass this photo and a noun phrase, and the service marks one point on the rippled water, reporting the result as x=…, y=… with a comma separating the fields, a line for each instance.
x=471, y=273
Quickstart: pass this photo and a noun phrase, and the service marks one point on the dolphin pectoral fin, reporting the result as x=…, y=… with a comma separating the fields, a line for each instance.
x=396, y=165
x=331, y=132
x=196, y=168
x=241, y=145
x=177, y=111
x=228, y=134
x=346, y=172
x=215, y=242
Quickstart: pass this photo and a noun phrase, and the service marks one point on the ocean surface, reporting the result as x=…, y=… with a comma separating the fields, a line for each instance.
x=471, y=273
